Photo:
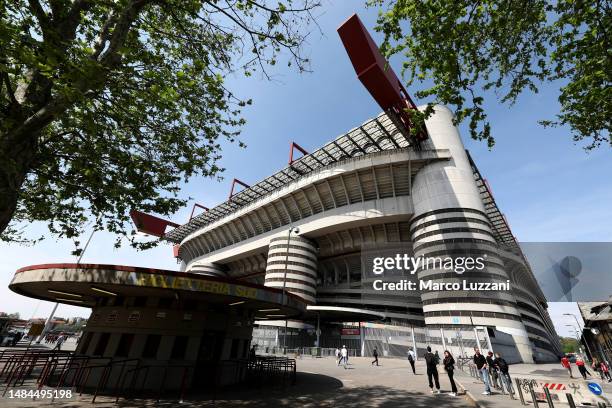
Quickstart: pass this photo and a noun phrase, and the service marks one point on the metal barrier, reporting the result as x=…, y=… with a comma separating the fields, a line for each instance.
x=525, y=389
x=20, y=366
x=30, y=358
x=64, y=369
x=467, y=366
x=138, y=370
x=299, y=352
x=537, y=391
x=262, y=367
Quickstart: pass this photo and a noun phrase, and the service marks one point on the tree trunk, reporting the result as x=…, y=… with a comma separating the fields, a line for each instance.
x=16, y=158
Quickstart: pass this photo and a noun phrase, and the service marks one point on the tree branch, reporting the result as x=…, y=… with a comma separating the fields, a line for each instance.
x=121, y=30
x=103, y=36
x=9, y=88
x=41, y=15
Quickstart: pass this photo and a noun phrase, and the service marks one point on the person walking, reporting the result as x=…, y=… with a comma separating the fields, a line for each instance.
x=432, y=371
x=60, y=340
x=596, y=367
x=338, y=356
x=481, y=365
x=605, y=370
x=504, y=373
x=565, y=362
x=375, y=354
x=411, y=359
x=493, y=375
x=449, y=366
x=16, y=338
x=344, y=356
x=581, y=367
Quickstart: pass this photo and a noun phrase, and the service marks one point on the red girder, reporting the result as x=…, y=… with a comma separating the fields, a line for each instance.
x=234, y=182
x=150, y=224
x=375, y=73
x=293, y=147
x=194, y=207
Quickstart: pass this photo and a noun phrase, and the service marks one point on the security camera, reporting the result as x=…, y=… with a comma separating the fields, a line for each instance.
x=296, y=230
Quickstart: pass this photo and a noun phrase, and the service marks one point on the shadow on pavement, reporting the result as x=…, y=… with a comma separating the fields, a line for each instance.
x=379, y=396
x=551, y=373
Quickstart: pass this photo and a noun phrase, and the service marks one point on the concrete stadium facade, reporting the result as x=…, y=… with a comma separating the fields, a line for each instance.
x=372, y=186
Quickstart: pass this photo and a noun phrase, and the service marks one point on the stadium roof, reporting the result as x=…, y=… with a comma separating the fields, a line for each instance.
x=501, y=229
x=378, y=134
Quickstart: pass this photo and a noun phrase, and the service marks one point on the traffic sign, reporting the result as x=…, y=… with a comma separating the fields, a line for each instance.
x=595, y=388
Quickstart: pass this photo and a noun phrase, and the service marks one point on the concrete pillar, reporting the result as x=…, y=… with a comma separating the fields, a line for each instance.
x=296, y=264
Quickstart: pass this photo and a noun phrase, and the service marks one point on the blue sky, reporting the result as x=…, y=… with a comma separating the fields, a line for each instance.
x=548, y=187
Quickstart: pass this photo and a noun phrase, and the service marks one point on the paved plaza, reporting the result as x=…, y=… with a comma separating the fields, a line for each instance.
x=321, y=383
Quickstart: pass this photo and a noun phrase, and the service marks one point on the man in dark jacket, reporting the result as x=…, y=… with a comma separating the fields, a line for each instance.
x=492, y=370
x=481, y=365
x=375, y=354
x=432, y=371
x=504, y=373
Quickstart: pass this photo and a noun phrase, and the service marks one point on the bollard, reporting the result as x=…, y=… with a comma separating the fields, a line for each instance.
x=570, y=400
x=548, y=398
x=520, y=391
x=534, y=399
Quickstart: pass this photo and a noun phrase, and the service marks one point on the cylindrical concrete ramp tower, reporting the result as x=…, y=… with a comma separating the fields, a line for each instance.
x=209, y=269
x=298, y=262
x=450, y=221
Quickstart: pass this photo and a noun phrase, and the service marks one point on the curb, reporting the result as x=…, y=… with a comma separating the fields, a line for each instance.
x=469, y=396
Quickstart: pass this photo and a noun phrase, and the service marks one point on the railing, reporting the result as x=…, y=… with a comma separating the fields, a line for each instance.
x=72, y=371
x=136, y=372
x=126, y=376
x=263, y=367
x=29, y=358
x=82, y=370
x=300, y=352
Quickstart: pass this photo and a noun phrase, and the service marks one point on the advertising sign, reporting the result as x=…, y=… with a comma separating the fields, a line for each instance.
x=350, y=333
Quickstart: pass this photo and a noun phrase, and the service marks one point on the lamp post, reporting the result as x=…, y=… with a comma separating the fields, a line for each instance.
x=576, y=331
x=577, y=334
x=296, y=231
x=49, y=321
x=575, y=318
x=582, y=339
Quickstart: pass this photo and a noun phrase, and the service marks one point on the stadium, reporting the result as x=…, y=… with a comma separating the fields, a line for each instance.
x=371, y=186
x=283, y=263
